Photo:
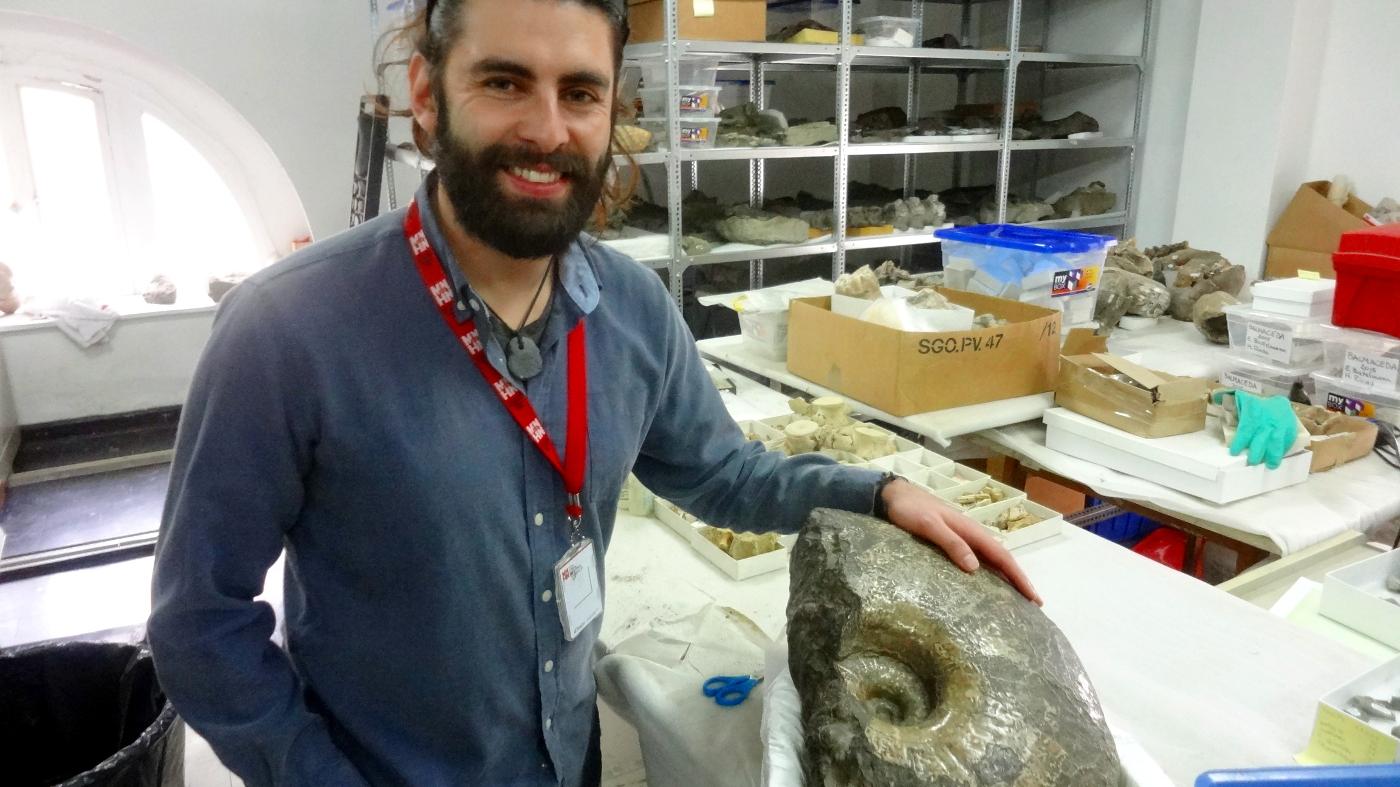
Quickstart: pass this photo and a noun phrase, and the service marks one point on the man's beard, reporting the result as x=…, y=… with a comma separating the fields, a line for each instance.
x=519, y=227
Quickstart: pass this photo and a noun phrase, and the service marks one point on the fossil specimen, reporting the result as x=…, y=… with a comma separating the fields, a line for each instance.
x=1126, y=256
x=1014, y=518
x=860, y=284
x=1146, y=298
x=914, y=673
x=1091, y=200
x=985, y=496
x=1209, y=316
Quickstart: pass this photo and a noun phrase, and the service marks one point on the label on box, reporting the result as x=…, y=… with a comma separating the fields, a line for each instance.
x=1338, y=739
x=1240, y=382
x=1347, y=406
x=694, y=133
x=694, y=102
x=1074, y=281
x=1371, y=372
x=1266, y=341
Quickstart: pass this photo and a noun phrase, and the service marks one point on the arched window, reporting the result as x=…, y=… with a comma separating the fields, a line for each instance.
x=116, y=167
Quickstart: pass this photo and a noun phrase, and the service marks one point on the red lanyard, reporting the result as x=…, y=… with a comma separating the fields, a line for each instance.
x=517, y=404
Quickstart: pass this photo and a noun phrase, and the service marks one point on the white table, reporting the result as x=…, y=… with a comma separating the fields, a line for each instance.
x=1200, y=678
x=941, y=426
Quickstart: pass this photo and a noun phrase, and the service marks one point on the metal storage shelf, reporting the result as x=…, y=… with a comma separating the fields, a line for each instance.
x=1072, y=144
x=1116, y=218
x=756, y=60
x=916, y=148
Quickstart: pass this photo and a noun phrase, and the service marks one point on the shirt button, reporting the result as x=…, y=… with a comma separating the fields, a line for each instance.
x=539, y=519
x=547, y=596
x=461, y=307
x=548, y=723
x=476, y=307
x=549, y=666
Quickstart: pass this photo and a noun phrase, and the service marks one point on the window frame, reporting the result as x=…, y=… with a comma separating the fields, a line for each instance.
x=125, y=84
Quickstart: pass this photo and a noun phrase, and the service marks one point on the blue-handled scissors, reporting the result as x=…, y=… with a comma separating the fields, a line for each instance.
x=730, y=690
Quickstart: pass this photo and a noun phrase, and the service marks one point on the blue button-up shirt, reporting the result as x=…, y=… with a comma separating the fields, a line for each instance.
x=334, y=415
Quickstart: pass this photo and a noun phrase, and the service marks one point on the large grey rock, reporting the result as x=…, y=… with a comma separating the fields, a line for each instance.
x=1199, y=275
x=1146, y=298
x=762, y=231
x=1112, y=303
x=1091, y=200
x=914, y=673
x=1208, y=314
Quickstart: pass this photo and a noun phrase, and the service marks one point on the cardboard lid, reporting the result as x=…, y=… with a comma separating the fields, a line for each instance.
x=1311, y=222
x=1296, y=290
x=1022, y=238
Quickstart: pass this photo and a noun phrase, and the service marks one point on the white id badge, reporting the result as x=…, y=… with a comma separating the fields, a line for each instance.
x=577, y=590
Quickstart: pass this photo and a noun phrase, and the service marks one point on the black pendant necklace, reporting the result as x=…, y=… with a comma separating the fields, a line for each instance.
x=523, y=358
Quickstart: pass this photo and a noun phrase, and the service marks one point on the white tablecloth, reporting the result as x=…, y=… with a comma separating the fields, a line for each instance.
x=1355, y=496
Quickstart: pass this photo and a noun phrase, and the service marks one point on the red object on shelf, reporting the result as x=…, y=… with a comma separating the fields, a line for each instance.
x=1368, y=280
x=1164, y=545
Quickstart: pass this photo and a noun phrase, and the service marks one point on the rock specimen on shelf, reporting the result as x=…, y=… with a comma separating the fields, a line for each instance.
x=945, y=41
x=1074, y=123
x=694, y=245
x=862, y=283
x=1208, y=314
x=746, y=121
x=9, y=301
x=220, y=285
x=1018, y=211
x=882, y=119
x=787, y=33
x=1091, y=200
x=818, y=133
x=631, y=139
x=161, y=290
x=762, y=230
x=912, y=672
x=1126, y=256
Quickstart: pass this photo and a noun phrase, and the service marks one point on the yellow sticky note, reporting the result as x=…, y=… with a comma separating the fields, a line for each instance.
x=703, y=7
x=1309, y=275
x=1338, y=739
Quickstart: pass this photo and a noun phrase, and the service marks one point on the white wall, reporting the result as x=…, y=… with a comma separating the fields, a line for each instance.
x=295, y=70
x=1171, y=63
x=1357, y=119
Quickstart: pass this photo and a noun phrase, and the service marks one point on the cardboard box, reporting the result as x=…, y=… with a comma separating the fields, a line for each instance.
x=705, y=20
x=1309, y=230
x=1165, y=405
x=1198, y=463
x=904, y=373
x=1356, y=596
x=1338, y=440
x=1338, y=738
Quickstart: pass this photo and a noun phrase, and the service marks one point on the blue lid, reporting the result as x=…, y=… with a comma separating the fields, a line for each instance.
x=1016, y=236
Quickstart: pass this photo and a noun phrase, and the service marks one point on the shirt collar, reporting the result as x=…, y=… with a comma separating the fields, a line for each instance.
x=576, y=266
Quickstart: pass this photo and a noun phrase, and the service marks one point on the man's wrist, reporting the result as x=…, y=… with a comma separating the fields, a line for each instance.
x=878, y=508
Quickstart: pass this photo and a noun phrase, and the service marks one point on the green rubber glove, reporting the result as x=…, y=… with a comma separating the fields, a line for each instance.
x=1267, y=428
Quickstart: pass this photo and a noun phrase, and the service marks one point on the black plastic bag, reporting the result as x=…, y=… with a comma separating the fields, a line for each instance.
x=86, y=713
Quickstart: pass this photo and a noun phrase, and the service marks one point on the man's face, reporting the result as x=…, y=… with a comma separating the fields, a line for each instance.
x=524, y=122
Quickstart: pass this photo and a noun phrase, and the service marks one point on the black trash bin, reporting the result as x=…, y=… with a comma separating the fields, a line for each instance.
x=82, y=714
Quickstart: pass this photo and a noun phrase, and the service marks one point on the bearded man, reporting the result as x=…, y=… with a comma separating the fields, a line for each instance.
x=434, y=414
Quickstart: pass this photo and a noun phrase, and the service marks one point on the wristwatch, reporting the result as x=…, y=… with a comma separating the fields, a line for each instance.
x=877, y=506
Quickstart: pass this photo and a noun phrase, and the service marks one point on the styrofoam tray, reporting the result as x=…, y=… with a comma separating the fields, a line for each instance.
x=1355, y=596
x=1197, y=463
x=671, y=516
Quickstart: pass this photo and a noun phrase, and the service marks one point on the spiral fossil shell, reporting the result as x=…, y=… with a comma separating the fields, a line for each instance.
x=914, y=673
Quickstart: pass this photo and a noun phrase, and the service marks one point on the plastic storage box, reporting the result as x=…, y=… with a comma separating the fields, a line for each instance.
x=1051, y=268
x=695, y=132
x=695, y=101
x=693, y=71
x=1264, y=379
x=1367, y=361
x=889, y=30
x=1295, y=342
x=1368, y=280
x=1339, y=396
x=1295, y=297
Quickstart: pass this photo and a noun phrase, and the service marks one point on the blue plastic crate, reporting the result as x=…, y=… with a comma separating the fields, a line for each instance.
x=1121, y=528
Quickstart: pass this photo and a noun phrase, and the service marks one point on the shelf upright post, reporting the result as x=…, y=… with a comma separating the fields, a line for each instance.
x=758, y=78
x=840, y=187
x=1008, y=110
x=1038, y=158
x=671, y=51
x=1130, y=201
x=911, y=111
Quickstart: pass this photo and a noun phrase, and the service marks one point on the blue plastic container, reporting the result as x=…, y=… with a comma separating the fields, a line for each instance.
x=1052, y=268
